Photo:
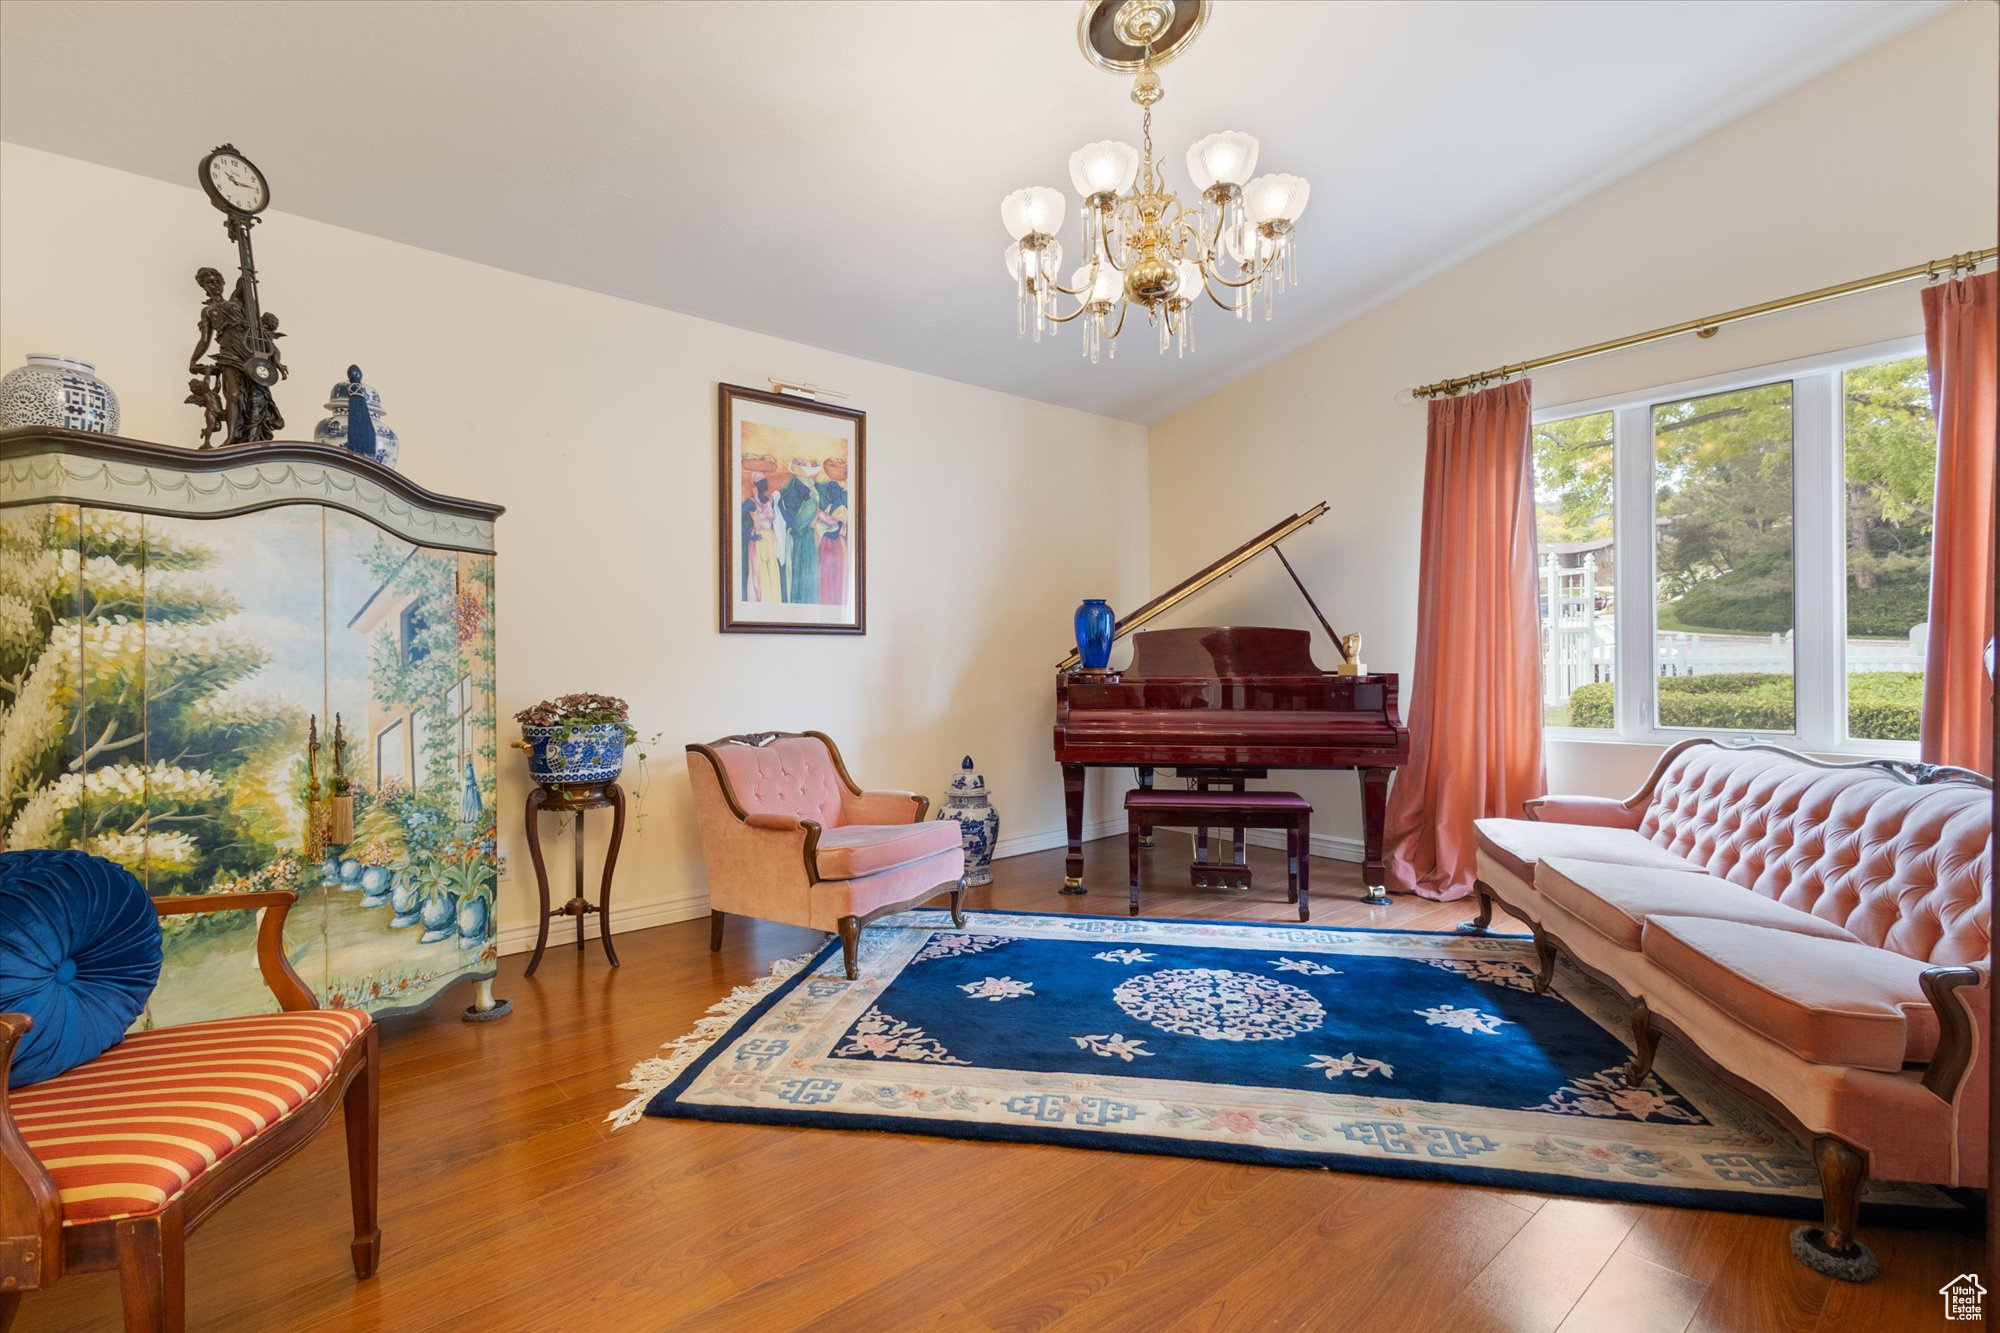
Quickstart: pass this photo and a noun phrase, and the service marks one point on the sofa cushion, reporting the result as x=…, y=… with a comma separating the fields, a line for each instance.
x=1827, y=1001
x=1518, y=844
x=128, y=1132
x=1616, y=900
x=854, y=850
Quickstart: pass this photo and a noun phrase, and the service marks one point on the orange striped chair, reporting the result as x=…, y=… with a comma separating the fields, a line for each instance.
x=111, y=1164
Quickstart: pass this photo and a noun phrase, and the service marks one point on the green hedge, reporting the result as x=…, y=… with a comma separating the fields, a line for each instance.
x=1881, y=705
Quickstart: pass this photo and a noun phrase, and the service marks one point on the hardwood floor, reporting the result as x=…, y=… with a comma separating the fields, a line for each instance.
x=507, y=1203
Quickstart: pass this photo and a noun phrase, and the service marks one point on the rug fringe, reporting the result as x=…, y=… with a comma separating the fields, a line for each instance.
x=648, y=1077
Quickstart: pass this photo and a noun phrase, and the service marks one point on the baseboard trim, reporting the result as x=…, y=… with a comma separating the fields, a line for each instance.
x=520, y=937
x=1333, y=846
x=1042, y=840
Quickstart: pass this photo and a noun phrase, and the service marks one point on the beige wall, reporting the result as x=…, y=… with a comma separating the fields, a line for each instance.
x=1886, y=161
x=592, y=419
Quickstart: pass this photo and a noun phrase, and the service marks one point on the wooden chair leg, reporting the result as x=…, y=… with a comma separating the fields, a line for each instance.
x=850, y=946
x=360, y=1114
x=1132, y=864
x=715, y=920
x=1645, y=1045
x=958, y=902
x=1479, y=923
x=1545, y=955
x=151, y=1272
x=1291, y=865
x=10, y=1305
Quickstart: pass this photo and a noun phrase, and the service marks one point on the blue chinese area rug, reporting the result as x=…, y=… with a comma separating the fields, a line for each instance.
x=1397, y=1053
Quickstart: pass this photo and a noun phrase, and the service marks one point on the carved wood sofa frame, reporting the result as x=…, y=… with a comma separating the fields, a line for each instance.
x=147, y=1250
x=849, y=927
x=1843, y=1168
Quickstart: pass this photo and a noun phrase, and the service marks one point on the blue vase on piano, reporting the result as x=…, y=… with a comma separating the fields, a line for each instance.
x=1094, y=626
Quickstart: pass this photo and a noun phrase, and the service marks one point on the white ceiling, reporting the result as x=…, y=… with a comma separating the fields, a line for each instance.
x=831, y=173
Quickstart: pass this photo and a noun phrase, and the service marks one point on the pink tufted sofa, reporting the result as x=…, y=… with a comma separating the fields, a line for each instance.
x=1817, y=932
x=788, y=836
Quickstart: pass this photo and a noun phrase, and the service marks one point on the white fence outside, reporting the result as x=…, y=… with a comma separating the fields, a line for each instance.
x=1578, y=647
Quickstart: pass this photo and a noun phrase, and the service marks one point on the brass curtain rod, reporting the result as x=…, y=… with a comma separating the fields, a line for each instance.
x=1706, y=328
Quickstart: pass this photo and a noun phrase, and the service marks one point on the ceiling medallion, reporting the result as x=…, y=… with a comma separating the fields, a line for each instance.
x=1145, y=246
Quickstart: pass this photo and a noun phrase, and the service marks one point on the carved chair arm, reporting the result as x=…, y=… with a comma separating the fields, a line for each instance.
x=290, y=988
x=1960, y=995
x=30, y=1208
x=885, y=807
x=1605, y=811
x=807, y=831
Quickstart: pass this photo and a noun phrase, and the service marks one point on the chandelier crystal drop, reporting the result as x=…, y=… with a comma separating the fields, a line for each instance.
x=1144, y=246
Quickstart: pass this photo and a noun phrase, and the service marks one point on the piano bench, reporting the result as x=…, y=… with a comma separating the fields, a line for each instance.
x=1146, y=808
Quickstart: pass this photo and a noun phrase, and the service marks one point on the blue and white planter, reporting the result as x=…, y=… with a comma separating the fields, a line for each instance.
x=473, y=916
x=403, y=904
x=350, y=874
x=966, y=801
x=440, y=917
x=594, y=753
x=375, y=882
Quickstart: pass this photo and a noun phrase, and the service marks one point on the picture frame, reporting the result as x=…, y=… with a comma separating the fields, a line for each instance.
x=791, y=517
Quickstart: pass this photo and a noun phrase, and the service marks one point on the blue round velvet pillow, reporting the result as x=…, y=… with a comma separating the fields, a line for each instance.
x=79, y=954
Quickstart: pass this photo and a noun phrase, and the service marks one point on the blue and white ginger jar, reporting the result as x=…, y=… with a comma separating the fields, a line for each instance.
x=966, y=801
x=58, y=391
x=593, y=753
x=335, y=430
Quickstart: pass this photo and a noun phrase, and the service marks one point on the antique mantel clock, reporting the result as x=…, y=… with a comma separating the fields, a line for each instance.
x=234, y=387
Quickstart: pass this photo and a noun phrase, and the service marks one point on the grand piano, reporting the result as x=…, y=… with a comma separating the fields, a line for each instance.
x=1224, y=704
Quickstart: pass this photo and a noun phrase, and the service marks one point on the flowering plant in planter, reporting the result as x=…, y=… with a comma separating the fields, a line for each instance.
x=568, y=713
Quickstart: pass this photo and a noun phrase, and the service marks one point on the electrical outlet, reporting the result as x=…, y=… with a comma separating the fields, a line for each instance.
x=500, y=860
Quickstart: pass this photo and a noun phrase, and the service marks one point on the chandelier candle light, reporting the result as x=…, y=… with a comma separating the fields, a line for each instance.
x=1146, y=247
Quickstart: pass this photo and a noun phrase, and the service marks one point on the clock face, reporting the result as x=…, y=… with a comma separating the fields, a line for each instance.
x=237, y=183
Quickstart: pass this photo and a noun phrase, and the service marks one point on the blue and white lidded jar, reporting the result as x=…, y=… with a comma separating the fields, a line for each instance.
x=966, y=801
x=364, y=434
x=58, y=391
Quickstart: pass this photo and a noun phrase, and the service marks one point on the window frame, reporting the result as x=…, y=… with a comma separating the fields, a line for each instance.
x=1819, y=588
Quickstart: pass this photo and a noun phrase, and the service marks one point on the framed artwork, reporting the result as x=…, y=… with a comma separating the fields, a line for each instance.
x=793, y=518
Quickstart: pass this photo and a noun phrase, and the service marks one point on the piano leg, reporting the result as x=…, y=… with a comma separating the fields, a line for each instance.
x=1374, y=809
x=1073, y=819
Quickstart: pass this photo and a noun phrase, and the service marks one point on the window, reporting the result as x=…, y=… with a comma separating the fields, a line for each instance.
x=1748, y=555
x=1573, y=527
x=391, y=754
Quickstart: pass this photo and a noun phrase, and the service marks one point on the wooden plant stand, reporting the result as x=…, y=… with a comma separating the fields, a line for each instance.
x=575, y=798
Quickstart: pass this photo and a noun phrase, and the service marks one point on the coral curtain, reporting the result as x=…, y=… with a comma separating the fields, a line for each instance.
x=1476, y=700
x=1958, y=700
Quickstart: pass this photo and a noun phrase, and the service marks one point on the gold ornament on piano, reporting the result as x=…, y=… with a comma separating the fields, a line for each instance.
x=1350, y=648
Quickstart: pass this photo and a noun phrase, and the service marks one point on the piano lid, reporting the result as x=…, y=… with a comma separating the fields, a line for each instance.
x=1264, y=541
x=1223, y=652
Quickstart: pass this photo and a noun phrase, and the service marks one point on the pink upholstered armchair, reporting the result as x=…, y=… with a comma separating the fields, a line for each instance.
x=788, y=836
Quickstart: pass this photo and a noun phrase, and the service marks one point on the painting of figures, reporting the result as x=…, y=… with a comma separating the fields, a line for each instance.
x=792, y=523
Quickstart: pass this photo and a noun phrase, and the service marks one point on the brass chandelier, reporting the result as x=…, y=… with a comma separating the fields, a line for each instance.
x=1146, y=247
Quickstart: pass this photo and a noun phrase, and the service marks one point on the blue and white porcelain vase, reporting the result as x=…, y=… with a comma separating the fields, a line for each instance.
x=58, y=391
x=566, y=755
x=1094, y=627
x=966, y=801
x=361, y=433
